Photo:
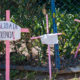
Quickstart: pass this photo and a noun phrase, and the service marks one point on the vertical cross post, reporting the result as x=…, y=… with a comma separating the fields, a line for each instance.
x=56, y=46
x=7, y=42
x=49, y=57
x=7, y=74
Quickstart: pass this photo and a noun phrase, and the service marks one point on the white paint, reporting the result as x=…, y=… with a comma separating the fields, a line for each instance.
x=9, y=31
x=76, y=69
x=49, y=39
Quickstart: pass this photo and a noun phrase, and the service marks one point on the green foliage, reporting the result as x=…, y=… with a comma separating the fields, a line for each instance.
x=66, y=25
x=2, y=46
x=31, y=76
x=28, y=13
x=13, y=73
x=71, y=6
x=17, y=58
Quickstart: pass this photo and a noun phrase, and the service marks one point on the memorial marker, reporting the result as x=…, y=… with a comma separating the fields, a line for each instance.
x=49, y=39
x=9, y=32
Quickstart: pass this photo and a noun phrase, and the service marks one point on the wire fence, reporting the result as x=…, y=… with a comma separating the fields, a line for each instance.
x=30, y=14
x=66, y=12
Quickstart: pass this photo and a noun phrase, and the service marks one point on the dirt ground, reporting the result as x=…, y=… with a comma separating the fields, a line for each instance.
x=43, y=76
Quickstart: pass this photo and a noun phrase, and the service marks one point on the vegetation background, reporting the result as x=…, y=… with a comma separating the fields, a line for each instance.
x=29, y=14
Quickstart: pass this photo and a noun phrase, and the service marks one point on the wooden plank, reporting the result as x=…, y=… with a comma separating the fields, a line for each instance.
x=70, y=70
x=28, y=68
x=43, y=69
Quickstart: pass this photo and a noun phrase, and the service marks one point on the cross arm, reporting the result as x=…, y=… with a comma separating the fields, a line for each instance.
x=24, y=30
x=77, y=20
x=58, y=34
x=35, y=37
x=40, y=36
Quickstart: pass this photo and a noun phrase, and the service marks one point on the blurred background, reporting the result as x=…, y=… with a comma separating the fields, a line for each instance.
x=30, y=14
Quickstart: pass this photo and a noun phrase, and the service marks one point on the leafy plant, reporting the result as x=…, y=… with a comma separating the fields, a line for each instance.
x=70, y=29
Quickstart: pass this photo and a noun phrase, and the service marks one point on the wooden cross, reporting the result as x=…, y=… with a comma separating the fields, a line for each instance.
x=7, y=42
x=79, y=42
x=49, y=57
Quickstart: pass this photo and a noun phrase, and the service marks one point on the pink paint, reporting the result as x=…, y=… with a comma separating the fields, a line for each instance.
x=35, y=37
x=24, y=30
x=49, y=57
x=7, y=60
x=7, y=73
x=7, y=15
x=77, y=51
x=47, y=24
x=39, y=36
x=76, y=20
x=7, y=50
x=58, y=34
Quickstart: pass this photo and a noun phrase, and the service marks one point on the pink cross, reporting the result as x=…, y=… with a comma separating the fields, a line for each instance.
x=77, y=51
x=49, y=57
x=8, y=48
x=79, y=43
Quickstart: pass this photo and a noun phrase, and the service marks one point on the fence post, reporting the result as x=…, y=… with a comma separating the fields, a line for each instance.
x=56, y=46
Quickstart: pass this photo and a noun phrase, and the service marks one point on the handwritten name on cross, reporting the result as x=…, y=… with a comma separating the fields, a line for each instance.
x=79, y=43
x=9, y=32
x=48, y=39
